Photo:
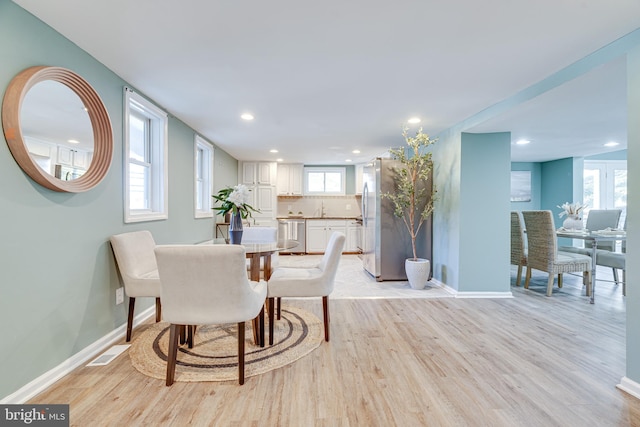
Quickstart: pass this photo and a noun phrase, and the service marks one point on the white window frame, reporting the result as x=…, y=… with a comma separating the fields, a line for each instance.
x=321, y=169
x=203, y=178
x=158, y=165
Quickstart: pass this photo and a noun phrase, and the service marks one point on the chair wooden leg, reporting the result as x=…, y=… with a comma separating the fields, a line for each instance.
x=158, y=310
x=560, y=280
x=519, y=276
x=183, y=334
x=615, y=276
x=173, y=353
x=241, y=352
x=587, y=275
x=272, y=316
x=261, y=323
x=325, y=312
x=190, y=331
x=550, y=284
x=132, y=305
x=527, y=278
x=279, y=306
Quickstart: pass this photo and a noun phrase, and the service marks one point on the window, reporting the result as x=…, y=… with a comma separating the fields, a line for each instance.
x=145, y=159
x=203, y=176
x=324, y=180
x=605, y=185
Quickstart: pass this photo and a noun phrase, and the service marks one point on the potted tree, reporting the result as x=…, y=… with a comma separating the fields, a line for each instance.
x=413, y=199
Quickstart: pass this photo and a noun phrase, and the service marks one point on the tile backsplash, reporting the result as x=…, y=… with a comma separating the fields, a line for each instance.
x=335, y=206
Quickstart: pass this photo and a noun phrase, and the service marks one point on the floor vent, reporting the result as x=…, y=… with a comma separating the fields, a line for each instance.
x=109, y=355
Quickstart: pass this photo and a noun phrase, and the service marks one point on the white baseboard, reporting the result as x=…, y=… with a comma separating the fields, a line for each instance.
x=458, y=294
x=629, y=386
x=47, y=379
x=483, y=295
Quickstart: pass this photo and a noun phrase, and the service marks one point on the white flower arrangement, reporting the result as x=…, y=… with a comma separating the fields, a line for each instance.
x=571, y=210
x=234, y=199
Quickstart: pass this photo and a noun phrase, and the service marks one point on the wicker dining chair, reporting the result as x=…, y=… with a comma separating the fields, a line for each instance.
x=543, y=251
x=518, y=250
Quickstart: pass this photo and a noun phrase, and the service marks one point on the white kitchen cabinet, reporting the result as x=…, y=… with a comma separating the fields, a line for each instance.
x=75, y=158
x=319, y=232
x=359, y=178
x=258, y=173
x=354, y=236
x=260, y=179
x=290, y=179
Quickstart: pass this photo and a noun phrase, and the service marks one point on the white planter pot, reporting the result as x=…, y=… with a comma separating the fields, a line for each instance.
x=417, y=272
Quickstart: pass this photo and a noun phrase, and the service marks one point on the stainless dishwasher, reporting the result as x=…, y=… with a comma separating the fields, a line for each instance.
x=292, y=229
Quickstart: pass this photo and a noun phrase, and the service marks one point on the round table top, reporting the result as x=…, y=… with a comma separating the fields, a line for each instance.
x=262, y=248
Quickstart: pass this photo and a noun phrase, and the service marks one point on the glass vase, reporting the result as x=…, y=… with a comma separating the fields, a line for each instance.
x=235, y=229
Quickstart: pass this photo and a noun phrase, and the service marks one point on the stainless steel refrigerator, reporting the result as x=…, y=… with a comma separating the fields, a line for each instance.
x=386, y=241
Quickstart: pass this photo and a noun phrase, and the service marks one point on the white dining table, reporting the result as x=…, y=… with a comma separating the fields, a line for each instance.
x=594, y=237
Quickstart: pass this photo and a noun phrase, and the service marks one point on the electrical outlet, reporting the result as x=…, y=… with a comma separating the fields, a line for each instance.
x=119, y=295
x=289, y=208
x=348, y=207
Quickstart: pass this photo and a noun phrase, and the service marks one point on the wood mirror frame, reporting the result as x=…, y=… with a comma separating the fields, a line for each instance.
x=102, y=132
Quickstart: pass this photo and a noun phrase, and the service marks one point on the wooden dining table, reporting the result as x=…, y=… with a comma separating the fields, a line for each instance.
x=256, y=251
x=594, y=237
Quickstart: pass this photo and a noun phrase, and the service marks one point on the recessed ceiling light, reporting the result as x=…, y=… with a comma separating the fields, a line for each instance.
x=413, y=120
x=348, y=160
x=73, y=141
x=356, y=151
x=611, y=144
x=247, y=116
x=523, y=142
x=279, y=160
x=273, y=151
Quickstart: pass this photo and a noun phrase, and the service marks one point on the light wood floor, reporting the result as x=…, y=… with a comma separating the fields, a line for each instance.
x=526, y=361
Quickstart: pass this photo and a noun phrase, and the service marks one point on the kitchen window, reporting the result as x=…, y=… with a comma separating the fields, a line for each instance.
x=203, y=177
x=324, y=180
x=145, y=176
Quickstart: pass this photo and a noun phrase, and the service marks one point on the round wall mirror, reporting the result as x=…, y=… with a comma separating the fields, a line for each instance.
x=57, y=129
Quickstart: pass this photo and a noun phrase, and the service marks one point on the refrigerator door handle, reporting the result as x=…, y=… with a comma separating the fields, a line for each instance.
x=365, y=194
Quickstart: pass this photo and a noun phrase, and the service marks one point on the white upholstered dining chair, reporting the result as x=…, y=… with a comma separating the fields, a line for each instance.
x=138, y=270
x=206, y=285
x=518, y=250
x=316, y=281
x=543, y=251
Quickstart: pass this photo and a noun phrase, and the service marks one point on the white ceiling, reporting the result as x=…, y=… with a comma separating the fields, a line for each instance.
x=324, y=78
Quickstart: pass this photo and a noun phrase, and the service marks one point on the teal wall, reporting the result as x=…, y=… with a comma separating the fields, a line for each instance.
x=536, y=186
x=485, y=188
x=559, y=185
x=58, y=274
x=633, y=215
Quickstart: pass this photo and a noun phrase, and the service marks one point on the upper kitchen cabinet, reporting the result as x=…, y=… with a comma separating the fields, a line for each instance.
x=290, y=179
x=359, y=180
x=258, y=173
x=260, y=178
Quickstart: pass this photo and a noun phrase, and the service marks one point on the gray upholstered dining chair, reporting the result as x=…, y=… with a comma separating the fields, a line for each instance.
x=205, y=285
x=518, y=250
x=543, y=251
x=138, y=270
x=316, y=281
x=615, y=260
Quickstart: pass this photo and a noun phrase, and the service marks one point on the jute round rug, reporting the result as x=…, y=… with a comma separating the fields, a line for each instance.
x=214, y=356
